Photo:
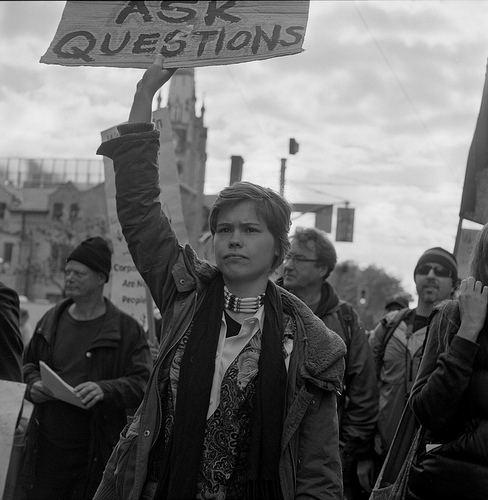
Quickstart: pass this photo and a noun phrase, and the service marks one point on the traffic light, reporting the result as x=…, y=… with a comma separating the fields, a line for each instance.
x=323, y=218
x=293, y=146
x=363, y=297
x=345, y=224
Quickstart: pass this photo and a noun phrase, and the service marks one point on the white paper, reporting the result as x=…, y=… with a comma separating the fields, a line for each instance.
x=60, y=389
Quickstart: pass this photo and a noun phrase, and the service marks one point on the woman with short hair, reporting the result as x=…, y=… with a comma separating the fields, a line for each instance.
x=242, y=399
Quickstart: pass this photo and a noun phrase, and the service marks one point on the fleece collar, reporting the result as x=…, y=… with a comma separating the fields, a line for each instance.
x=324, y=350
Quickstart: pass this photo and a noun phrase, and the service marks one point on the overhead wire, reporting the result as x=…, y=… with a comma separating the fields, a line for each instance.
x=249, y=109
x=404, y=91
x=399, y=83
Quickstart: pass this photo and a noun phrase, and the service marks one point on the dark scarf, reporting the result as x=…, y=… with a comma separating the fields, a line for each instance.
x=184, y=451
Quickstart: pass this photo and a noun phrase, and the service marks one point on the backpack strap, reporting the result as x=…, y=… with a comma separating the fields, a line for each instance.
x=390, y=328
x=345, y=316
x=393, y=325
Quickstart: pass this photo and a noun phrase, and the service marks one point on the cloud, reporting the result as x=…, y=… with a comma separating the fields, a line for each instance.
x=383, y=102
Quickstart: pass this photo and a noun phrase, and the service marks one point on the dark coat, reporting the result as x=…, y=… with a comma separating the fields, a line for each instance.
x=118, y=360
x=358, y=406
x=450, y=399
x=177, y=278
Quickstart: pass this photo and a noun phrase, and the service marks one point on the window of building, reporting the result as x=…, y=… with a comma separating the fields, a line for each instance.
x=8, y=250
x=58, y=211
x=179, y=138
x=59, y=254
x=179, y=167
x=74, y=212
x=3, y=206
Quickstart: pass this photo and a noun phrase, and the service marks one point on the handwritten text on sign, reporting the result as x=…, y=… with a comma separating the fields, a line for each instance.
x=188, y=34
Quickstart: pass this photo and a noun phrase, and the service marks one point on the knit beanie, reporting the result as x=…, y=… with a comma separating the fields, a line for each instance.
x=439, y=256
x=94, y=253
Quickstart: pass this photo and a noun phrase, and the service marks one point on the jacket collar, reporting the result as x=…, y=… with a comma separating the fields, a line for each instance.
x=324, y=350
x=329, y=300
x=110, y=331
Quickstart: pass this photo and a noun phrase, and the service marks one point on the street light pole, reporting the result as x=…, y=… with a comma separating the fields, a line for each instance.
x=282, y=176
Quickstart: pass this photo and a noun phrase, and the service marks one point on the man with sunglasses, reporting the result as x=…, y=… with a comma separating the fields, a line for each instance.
x=311, y=259
x=398, y=341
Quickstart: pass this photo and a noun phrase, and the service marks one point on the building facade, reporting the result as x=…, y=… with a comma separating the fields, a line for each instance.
x=45, y=211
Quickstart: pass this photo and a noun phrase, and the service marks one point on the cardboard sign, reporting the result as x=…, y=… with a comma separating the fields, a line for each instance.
x=465, y=247
x=128, y=289
x=128, y=34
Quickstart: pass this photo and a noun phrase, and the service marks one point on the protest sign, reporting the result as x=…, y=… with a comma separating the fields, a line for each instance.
x=129, y=34
x=464, y=249
x=128, y=290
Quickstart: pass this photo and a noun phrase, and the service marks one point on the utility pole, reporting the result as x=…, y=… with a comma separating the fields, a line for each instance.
x=293, y=149
x=282, y=176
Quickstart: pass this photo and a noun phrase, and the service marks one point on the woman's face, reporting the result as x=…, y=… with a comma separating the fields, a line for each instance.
x=244, y=249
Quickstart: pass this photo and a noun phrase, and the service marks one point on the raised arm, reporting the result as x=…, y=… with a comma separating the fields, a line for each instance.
x=473, y=300
x=448, y=364
x=153, y=79
x=151, y=241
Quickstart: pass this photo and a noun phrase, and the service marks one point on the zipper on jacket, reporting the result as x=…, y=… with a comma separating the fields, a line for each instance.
x=155, y=374
x=294, y=466
x=171, y=347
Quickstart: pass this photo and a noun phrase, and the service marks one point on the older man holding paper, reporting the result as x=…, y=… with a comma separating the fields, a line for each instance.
x=89, y=344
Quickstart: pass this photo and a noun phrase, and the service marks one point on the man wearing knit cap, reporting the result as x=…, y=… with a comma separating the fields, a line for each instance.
x=398, y=340
x=103, y=354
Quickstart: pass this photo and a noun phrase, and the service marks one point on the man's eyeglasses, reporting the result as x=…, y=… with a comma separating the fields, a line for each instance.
x=296, y=259
x=439, y=271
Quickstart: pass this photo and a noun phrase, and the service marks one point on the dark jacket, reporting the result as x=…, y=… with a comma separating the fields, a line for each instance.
x=358, y=405
x=11, y=345
x=450, y=399
x=178, y=279
x=118, y=360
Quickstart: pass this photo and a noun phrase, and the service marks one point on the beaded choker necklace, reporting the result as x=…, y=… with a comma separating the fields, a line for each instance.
x=246, y=305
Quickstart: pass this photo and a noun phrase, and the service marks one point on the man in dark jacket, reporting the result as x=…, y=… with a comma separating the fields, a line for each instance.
x=308, y=265
x=103, y=354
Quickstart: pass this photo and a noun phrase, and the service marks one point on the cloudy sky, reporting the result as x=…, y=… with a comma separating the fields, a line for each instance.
x=383, y=102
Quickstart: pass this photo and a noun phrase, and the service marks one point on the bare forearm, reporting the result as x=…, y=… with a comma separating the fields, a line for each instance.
x=141, y=111
x=152, y=80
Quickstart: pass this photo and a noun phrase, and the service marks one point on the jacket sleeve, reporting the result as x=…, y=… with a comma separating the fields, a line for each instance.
x=11, y=345
x=35, y=351
x=358, y=420
x=376, y=342
x=319, y=474
x=443, y=376
x=150, y=238
x=127, y=390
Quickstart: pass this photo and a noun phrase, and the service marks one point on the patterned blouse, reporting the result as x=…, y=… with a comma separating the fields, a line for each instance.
x=227, y=434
